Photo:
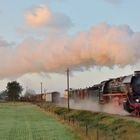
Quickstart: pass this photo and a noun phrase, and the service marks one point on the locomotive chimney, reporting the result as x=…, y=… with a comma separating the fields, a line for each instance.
x=136, y=73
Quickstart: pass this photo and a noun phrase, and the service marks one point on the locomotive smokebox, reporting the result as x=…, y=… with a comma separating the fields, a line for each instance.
x=136, y=73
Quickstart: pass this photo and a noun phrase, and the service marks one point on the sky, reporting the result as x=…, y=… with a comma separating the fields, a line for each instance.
x=39, y=40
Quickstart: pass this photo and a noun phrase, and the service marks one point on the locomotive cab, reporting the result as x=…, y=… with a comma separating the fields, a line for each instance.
x=136, y=84
x=132, y=104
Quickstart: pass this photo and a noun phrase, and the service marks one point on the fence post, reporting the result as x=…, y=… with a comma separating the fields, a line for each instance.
x=69, y=119
x=73, y=120
x=97, y=132
x=86, y=129
x=64, y=117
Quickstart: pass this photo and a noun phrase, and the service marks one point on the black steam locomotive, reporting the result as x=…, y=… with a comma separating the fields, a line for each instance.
x=123, y=91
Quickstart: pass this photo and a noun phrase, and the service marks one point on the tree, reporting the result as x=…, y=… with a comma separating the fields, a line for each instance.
x=14, y=90
x=3, y=95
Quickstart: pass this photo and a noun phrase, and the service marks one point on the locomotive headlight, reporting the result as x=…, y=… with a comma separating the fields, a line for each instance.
x=137, y=100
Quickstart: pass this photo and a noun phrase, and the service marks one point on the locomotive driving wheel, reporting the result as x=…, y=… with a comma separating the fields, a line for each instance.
x=136, y=112
x=116, y=100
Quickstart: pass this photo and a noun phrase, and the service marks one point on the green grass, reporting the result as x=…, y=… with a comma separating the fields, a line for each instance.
x=109, y=126
x=27, y=122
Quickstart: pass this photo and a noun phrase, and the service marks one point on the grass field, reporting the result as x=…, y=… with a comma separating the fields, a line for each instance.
x=27, y=122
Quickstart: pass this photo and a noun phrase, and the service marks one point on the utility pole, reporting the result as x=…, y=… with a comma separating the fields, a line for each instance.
x=41, y=87
x=26, y=88
x=68, y=88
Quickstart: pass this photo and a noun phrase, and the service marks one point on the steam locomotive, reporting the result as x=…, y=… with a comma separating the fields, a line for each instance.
x=123, y=91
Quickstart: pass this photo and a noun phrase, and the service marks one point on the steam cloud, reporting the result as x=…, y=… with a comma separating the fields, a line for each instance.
x=102, y=45
x=94, y=105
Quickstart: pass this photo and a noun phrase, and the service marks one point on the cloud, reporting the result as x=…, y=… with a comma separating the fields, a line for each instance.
x=101, y=45
x=42, y=16
x=4, y=43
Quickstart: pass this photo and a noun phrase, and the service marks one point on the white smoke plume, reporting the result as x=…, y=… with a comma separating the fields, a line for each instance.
x=93, y=105
x=102, y=45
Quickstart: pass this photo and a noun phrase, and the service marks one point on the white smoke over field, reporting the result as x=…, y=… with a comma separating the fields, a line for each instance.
x=93, y=105
x=102, y=45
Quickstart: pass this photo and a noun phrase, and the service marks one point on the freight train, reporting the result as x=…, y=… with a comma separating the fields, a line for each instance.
x=50, y=97
x=123, y=91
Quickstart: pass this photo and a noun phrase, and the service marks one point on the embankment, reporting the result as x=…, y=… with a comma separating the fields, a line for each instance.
x=96, y=125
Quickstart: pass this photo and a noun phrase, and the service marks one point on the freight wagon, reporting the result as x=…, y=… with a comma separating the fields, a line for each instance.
x=52, y=97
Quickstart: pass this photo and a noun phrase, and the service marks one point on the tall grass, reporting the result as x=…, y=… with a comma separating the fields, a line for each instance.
x=93, y=125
